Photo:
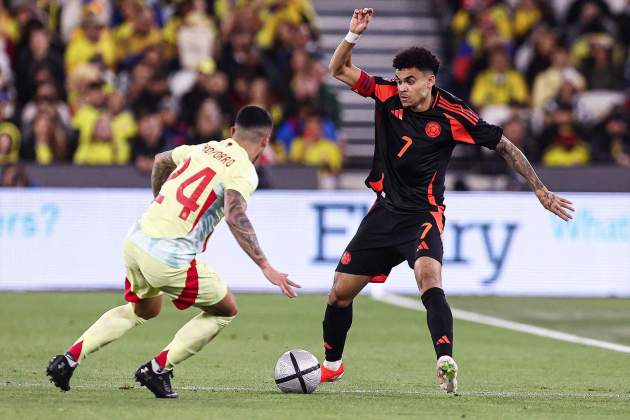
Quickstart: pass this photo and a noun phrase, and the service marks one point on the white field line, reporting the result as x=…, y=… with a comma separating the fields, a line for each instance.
x=414, y=304
x=374, y=392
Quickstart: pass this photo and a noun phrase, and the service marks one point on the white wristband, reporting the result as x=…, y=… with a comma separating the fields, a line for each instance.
x=352, y=38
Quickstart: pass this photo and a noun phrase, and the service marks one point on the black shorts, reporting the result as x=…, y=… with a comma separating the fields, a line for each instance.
x=384, y=239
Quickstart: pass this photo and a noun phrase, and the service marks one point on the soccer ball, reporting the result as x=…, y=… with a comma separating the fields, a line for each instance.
x=297, y=371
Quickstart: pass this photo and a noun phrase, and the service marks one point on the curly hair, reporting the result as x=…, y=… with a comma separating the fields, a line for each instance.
x=417, y=57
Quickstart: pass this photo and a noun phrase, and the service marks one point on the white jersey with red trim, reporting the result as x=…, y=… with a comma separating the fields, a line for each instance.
x=179, y=222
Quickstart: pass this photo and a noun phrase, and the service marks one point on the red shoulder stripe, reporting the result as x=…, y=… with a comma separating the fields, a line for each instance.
x=459, y=111
x=459, y=106
x=458, y=131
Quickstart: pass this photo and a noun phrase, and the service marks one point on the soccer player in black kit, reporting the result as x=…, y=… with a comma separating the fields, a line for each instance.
x=417, y=125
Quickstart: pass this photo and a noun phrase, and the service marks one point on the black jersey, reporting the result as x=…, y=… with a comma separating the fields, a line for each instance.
x=413, y=149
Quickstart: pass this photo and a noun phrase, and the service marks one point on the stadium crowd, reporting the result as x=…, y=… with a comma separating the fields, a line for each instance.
x=113, y=82
x=553, y=73
x=105, y=82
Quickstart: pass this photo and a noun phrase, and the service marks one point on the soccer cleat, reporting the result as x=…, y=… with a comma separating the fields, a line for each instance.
x=158, y=383
x=59, y=371
x=328, y=375
x=447, y=373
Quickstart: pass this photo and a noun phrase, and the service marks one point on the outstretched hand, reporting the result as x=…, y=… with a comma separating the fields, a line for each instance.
x=559, y=206
x=360, y=20
x=281, y=280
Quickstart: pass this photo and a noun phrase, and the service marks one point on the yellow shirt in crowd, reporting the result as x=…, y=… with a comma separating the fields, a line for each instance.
x=130, y=43
x=492, y=88
x=322, y=153
x=80, y=50
x=117, y=151
x=558, y=155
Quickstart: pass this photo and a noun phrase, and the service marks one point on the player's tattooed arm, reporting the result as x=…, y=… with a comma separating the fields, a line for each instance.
x=559, y=206
x=243, y=231
x=241, y=227
x=163, y=165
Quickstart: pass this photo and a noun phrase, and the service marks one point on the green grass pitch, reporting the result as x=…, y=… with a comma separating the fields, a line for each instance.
x=389, y=359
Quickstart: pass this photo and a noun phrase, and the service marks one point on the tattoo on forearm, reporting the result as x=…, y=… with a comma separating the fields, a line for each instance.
x=241, y=227
x=162, y=168
x=517, y=160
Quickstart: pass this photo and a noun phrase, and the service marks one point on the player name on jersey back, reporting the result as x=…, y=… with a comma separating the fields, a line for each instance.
x=222, y=157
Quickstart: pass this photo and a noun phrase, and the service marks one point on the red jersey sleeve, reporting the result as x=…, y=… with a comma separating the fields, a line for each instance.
x=375, y=87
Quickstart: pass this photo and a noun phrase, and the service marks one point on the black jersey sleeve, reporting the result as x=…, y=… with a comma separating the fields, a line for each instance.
x=375, y=87
x=467, y=126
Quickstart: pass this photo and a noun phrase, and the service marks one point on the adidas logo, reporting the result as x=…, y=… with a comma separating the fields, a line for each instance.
x=443, y=340
x=398, y=113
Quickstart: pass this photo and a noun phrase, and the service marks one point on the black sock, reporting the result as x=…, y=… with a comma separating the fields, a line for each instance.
x=439, y=320
x=337, y=322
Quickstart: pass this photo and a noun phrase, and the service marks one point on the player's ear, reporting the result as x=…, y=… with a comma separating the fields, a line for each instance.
x=232, y=131
x=265, y=140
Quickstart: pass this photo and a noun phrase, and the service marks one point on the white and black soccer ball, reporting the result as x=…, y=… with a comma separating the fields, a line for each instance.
x=297, y=371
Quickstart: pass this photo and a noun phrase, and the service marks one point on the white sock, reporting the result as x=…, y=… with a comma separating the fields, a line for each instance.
x=156, y=367
x=332, y=365
x=71, y=361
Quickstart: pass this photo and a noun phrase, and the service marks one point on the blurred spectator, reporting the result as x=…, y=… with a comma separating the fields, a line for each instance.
x=279, y=54
x=499, y=84
x=260, y=94
x=124, y=123
x=103, y=136
x=6, y=73
x=278, y=11
x=92, y=39
x=466, y=21
x=175, y=130
x=14, y=175
x=538, y=56
x=140, y=78
x=208, y=123
x=294, y=125
x=623, y=24
x=48, y=139
x=9, y=28
x=527, y=15
x=196, y=38
x=599, y=68
x=587, y=17
x=209, y=82
x=516, y=129
x=547, y=84
x=73, y=10
x=612, y=138
x=38, y=54
x=46, y=100
x=135, y=36
x=240, y=57
x=9, y=134
x=566, y=144
x=79, y=82
x=149, y=141
x=313, y=149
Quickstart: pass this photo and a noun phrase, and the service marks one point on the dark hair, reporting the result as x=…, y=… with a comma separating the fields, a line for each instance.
x=252, y=117
x=417, y=57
